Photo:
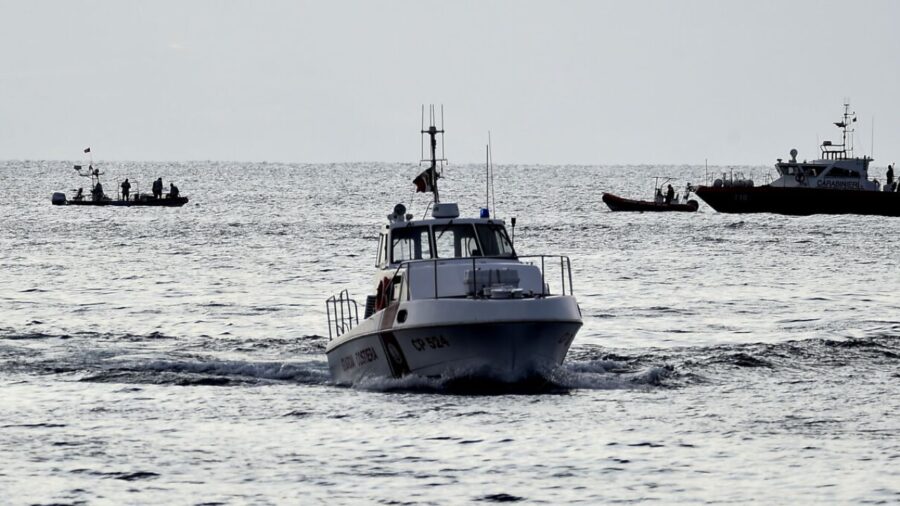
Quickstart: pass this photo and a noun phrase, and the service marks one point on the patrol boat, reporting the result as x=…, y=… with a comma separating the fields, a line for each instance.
x=452, y=299
x=836, y=183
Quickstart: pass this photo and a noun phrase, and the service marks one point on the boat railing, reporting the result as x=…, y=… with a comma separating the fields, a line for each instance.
x=544, y=262
x=343, y=314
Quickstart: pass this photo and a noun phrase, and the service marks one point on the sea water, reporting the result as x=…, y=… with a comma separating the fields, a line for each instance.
x=176, y=356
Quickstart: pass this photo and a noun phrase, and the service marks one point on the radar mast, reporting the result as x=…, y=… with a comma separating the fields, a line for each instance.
x=437, y=160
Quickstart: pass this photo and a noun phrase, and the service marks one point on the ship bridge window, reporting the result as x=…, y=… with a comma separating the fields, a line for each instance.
x=842, y=172
x=455, y=241
x=494, y=241
x=410, y=243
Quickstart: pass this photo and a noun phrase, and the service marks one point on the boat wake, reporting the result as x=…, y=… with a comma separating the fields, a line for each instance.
x=212, y=372
x=166, y=360
x=572, y=375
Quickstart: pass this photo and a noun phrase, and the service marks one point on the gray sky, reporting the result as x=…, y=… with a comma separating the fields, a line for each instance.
x=596, y=82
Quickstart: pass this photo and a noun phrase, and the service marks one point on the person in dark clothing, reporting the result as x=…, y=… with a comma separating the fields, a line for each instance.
x=890, y=175
x=126, y=189
x=157, y=188
x=80, y=195
x=173, y=191
x=670, y=194
x=97, y=192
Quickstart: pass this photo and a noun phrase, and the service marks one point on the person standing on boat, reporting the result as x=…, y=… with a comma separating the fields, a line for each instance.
x=126, y=189
x=157, y=188
x=890, y=176
x=97, y=192
x=670, y=195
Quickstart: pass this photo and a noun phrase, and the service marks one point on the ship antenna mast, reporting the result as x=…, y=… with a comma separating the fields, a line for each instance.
x=433, y=174
x=849, y=118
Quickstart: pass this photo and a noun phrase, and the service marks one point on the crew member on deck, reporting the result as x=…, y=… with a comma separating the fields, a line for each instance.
x=173, y=191
x=670, y=194
x=890, y=176
x=97, y=192
x=157, y=188
x=126, y=188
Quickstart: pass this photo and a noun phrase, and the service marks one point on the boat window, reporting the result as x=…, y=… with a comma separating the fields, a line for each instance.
x=494, y=241
x=410, y=243
x=842, y=172
x=454, y=241
x=379, y=258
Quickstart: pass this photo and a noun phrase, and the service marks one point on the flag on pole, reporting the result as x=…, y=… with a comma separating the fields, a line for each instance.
x=423, y=181
x=87, y=150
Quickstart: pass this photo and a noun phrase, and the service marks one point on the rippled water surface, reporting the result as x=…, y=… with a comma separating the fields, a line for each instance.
x=176, y=355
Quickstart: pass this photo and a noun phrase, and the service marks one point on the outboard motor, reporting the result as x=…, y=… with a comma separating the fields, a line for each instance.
x=58, y=199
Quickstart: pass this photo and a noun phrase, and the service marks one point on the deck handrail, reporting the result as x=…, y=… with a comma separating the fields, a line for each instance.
x=346, y=314
x=565, y=272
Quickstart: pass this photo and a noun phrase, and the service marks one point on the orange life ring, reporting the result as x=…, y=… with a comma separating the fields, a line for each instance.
x=381, y=294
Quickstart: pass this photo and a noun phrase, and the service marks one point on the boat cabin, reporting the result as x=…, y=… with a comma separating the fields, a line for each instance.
x=838, y=173
x=442, y=238
x=451, y=257
x=837, y=168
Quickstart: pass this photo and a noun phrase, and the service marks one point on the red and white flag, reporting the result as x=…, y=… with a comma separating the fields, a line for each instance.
x=423, y=181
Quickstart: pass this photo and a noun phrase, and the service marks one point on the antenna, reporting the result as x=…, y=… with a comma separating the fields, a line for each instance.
x=487, y=174
x=422, y=140
x=491, y=163
x=432, y=174
x=872, y=149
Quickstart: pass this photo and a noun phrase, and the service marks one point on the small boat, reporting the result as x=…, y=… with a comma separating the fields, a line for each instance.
x=142, y=199
x=124, y=198
x=673, y=203
x=452, y=299
x=836, y=183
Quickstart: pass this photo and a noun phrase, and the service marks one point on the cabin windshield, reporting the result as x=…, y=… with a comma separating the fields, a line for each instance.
x=494, y=241
x=410, y=243
x=455, y=241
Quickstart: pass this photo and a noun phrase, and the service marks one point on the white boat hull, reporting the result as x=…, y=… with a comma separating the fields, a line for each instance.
x=511, y=341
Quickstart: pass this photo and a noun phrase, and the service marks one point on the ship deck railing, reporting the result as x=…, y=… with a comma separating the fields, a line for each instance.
x=545, y=263
x=343, y=314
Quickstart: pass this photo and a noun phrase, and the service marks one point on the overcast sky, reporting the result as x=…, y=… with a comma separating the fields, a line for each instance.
x=557, y=82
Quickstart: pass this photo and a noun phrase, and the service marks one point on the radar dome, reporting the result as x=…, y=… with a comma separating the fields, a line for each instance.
x=399, y=209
